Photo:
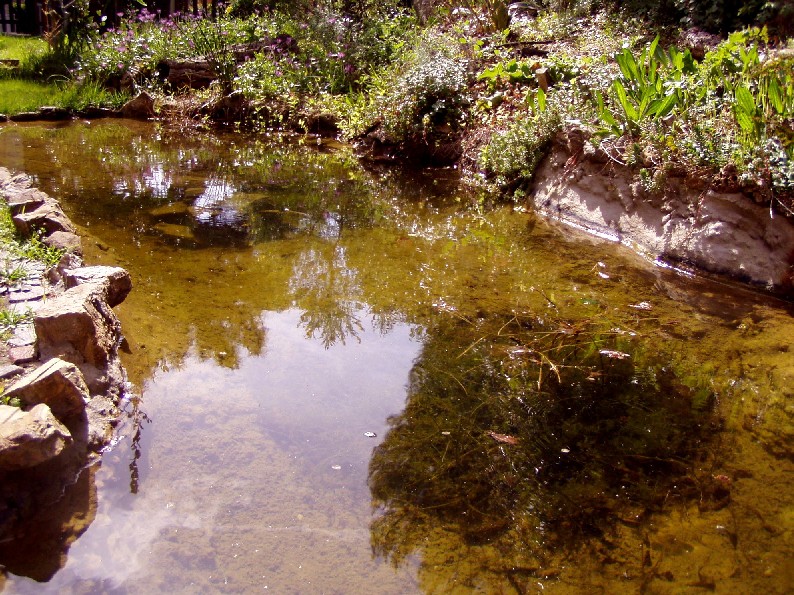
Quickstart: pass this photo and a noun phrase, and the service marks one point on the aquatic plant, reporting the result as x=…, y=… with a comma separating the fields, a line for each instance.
x=536, y=431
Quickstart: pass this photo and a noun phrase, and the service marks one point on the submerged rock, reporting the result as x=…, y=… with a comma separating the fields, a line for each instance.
x=174, y=230
x=173, y=210
x=28, y=438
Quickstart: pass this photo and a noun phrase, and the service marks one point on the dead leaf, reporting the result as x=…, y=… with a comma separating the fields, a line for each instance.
x=504, y=438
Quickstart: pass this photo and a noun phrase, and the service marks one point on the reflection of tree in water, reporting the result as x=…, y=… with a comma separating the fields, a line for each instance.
x=328, y=293
x=531, y=438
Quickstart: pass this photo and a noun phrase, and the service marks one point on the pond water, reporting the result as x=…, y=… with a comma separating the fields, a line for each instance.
x=354, y=381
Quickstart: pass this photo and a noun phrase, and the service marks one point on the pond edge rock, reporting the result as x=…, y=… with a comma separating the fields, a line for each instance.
x=63, y=369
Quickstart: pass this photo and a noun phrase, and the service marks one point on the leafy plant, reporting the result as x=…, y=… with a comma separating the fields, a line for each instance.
x=510, y=158
x=13, y=276
x=10, y=319
x=649, y=86
x=512, y=71
x=431, y=92
x=10, y=401
x=35, y=249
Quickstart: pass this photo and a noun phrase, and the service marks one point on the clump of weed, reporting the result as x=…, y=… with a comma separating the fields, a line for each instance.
x=510, y=157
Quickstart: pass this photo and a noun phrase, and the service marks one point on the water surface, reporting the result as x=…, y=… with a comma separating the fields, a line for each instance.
x=549, y=413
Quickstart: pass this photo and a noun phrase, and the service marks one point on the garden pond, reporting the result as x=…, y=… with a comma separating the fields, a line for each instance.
x=353, y=380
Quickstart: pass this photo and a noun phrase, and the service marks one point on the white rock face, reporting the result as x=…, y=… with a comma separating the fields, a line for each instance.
x=715, y=232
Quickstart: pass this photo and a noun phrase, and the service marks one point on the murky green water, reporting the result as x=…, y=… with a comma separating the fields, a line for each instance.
x=550, y=414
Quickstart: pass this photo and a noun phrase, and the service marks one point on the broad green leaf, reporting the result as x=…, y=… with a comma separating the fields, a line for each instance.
x=745, y=122
x=541, y=99
x=644, y=104
x=657, y=53
x=620, y=91
x=663, y=107
x=775, y=96
x=744, y=100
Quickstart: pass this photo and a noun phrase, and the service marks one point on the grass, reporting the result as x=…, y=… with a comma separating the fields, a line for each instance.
x=22, y=96
x=20, y=48
x=18, y=96
x=31, y=248
x=25, y=88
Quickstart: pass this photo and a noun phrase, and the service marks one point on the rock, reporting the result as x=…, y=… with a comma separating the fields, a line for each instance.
x=58, y=384
x=716, y=232
x=174, y=210
x=9, y=370
x=140, y=107
x=173, y=230
x=27, y=293
x=322, y=124
x=24, y=334
x=115, y=280
x=190, y=74
x=78, y=326
x=230, y=108
x=47, y=216
x=64, y=240
x=68, y=261
x=698, y=42
x=28, y=438
x=24, y=117
x=93, y=112
x=522, y=11
x=25, y=200
x=23, y=355
x=49, y=112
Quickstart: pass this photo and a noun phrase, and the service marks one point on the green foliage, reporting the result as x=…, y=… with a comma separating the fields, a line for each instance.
x=511, y=71
x=511, y=157
x=722, y=16
x=23, y=95
x=34, y=248
x=649, y=86
x=10, y=401
x=9, y=320
x=489, y=15
x=36, y=58
x=71, y=27
x=9, y=277
x=430, y=90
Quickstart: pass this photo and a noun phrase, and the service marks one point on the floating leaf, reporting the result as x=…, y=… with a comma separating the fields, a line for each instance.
x=503, y=438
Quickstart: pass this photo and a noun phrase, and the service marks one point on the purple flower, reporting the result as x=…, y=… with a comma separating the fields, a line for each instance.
x=120, y=65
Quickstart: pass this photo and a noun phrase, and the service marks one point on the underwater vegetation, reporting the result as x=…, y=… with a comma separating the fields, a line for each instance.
x=523, y=429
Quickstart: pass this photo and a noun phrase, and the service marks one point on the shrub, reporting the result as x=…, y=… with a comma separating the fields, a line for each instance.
x=511, y=156
x=431, y=91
